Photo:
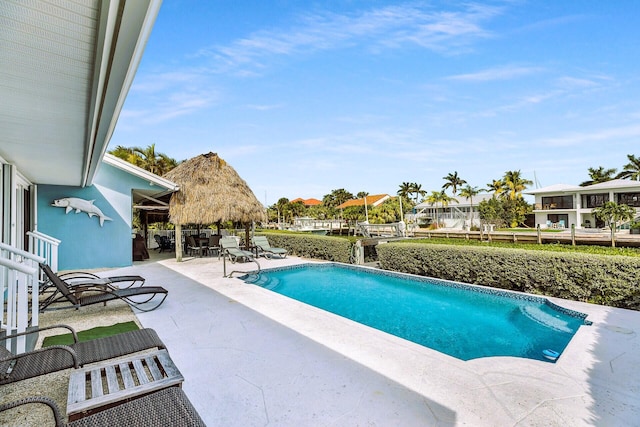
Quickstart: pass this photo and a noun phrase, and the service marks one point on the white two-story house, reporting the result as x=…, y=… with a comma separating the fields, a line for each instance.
x=562, y=205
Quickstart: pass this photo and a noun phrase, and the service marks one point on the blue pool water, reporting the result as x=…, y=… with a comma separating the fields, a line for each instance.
x=463, y=321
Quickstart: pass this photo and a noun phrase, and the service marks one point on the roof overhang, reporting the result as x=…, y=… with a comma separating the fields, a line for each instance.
x=154, y=198
x=65, y=70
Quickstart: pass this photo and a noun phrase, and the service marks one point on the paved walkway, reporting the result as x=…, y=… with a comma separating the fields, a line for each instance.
x=251, y=357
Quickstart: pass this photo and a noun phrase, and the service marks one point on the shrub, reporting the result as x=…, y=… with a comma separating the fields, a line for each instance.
x=607, y=280
x=312, y=246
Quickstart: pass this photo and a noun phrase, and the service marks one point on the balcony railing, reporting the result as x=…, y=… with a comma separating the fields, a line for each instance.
x=19, y=286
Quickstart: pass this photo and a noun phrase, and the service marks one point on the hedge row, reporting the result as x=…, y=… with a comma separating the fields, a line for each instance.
x=599, y=279
x=313, y=246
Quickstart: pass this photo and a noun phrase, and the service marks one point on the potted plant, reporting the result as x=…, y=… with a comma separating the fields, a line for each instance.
x=634, y=227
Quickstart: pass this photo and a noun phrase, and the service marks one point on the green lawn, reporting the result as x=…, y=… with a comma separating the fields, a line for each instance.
x=90, y=334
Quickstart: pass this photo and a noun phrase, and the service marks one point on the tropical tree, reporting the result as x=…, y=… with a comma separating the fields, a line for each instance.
x=453, y=182
x=282, y=206
x=386, y=212
x=598, y=175
x=296, y=209
x=361, y=195
x=417, y=190
x=406, y=189
x=470, y=192
x=146, y=158
x=632, y=169
x=126, y=153
x=336, y=198
x=613, y=213
x=504, y=211
x=515, y=184
x=496, y=187
x=439, y=197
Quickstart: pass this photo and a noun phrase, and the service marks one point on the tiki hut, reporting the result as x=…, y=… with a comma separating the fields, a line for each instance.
x=210, y=192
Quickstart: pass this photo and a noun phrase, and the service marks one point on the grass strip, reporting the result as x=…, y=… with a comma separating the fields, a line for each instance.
x=91, y=334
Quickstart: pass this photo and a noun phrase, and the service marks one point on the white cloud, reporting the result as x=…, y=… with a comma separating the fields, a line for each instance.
x=608, y=135
x=498, y=73
x=384, y=28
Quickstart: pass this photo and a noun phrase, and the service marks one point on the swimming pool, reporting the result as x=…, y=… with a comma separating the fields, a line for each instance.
x=463, y=321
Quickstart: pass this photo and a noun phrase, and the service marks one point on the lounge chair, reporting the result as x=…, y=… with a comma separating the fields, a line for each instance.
x=55, y=358
x=80, y=295
x=263, y=245
x=166, y=407
x=84, y=277
x=230, y=247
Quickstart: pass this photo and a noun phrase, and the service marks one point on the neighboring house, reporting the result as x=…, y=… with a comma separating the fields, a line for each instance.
x=307, y=202
x=460, y=213
x=373, y=200
x=562, y=205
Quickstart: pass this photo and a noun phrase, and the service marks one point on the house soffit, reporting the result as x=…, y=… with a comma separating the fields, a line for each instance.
x=65, y=68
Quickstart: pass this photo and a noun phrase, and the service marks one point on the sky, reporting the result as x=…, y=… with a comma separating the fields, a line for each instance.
x=304, y=97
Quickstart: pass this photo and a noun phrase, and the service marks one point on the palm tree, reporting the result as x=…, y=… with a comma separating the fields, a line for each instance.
x=496, y=187
x=336, y=198
x=150, y=160
x=124, y=153
x=439, y=197
x=515, y=184
x=406, y=188
x=146, y=158
x=418, y=191
x=612, y=213
x=469, y=192
x=453, y=182
x=599, y=175
x=631, y=169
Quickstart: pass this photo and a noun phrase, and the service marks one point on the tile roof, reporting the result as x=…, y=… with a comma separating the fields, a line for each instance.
x=373, y=200
x=307, y=202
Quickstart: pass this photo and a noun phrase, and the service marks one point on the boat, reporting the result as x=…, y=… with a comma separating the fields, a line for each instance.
x=309, y=225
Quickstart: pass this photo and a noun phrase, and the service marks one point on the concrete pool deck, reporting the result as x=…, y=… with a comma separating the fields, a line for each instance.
x=251, y=357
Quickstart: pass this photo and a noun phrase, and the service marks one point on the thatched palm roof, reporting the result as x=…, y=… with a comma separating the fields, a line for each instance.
x=211, y=191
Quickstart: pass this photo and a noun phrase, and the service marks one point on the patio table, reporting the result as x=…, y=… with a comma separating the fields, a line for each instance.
x=106, y=384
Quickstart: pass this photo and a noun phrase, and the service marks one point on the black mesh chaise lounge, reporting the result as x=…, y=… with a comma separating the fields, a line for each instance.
x=79, y=277
x=88, y=294
x=166, y=407
x=55, y=358
x=262, y=243
x=85, y=277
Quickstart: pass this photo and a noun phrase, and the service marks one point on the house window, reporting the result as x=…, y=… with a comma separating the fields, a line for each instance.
x=631, y=199
x=558, y=220
x=595, y=200
x=557, y=202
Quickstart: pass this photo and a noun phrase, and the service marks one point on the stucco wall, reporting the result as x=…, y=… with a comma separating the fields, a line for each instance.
x=85, y=244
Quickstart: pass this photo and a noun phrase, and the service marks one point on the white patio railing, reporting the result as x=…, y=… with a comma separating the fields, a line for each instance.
x=44, y=246
x=18, y=276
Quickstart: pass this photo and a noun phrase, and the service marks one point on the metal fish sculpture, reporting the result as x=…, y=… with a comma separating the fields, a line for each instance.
x=81, y=205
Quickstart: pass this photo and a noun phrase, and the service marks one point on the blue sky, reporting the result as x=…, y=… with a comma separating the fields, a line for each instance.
x=304, y=97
